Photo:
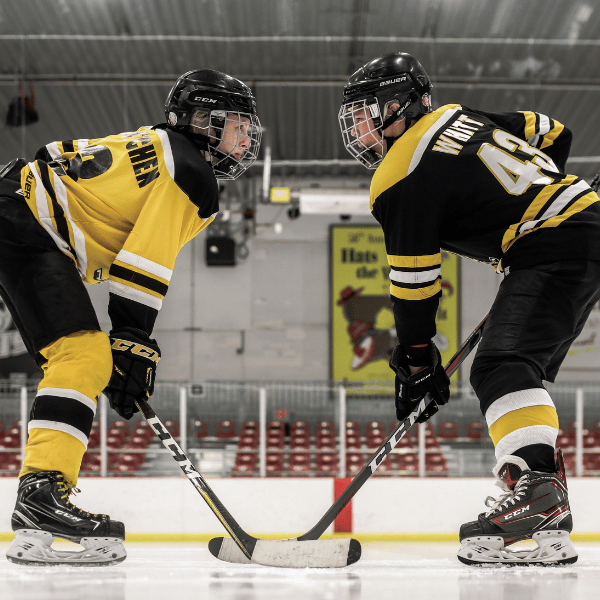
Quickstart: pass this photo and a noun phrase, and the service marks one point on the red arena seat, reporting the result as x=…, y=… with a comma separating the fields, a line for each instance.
x=407, y=462
x=352, y=428
x=249, y=427
x=248, y=442
x=200, y=429
x=245, y=464
x=435, y=464
x=225, y=429
x=172, y=428
x=300, y=427
x=374, y=441
x=353, y=442
x=325, y=443
x=275, y=464
x=371, y=426
x=448, y=430
x=476, y=430
x=354, y=462
x=299, y=463
x=300, y=442
x=326, y=465
x=275, y=442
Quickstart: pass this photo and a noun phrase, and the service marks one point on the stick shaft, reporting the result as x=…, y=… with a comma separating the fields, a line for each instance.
x=242, y=539
x=391, y=442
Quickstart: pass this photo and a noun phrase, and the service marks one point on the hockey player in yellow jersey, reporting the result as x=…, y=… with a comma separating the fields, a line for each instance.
x=492, y=187
x=116, y=209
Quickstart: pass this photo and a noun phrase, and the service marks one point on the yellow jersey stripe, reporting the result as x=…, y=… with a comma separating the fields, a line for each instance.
x=530, y=119
x=403, y=158
x=416, y=294
x=415, y=262
x=552, y=135
x=523, y=417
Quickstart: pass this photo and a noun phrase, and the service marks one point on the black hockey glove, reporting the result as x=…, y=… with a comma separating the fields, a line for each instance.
x=135, y=357
x=410, y=389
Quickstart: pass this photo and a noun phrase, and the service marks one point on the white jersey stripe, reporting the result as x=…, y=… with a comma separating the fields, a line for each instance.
x=515, y=401
x=140, y=262
x=544, y=124
x=53, y=150
x=56, y=426
x=125, y=291
x=167, y=152
x=558, y=205
x=415, y=276
x=526, y=436
x=65, y=393
x=424, y=141
x=41, y=202
x=78, y=236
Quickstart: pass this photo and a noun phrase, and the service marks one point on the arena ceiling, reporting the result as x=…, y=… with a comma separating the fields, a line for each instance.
x=103, y=66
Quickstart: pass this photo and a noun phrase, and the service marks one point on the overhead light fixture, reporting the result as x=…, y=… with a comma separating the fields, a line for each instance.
x=334, y=202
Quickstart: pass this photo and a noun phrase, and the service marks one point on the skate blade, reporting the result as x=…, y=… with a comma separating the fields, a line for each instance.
x=34, y=548
x=553, y=548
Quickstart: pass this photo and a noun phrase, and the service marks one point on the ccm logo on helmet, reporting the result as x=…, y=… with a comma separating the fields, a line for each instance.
x=202, y=99
x=390, y=81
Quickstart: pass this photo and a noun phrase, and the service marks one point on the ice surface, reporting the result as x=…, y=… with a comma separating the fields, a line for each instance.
x=386, y=570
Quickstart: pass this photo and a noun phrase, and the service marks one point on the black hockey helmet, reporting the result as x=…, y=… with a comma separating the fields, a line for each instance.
x=396, y=77
x=204, y=104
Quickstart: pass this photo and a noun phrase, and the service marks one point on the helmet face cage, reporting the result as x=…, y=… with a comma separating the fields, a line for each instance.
x=234, y=141
x=360, y=122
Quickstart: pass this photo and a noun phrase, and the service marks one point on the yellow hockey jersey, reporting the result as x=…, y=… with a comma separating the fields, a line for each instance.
x=122, y=207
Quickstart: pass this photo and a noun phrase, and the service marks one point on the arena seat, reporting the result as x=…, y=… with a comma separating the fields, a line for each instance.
x=352, y=429
x=245, y=464
x=172, y=427
x=476, y=430
x=199, y=429
x=326, y=464
x=275, y=442
x=275, y=464
x=299, y=442
x=435, y=464
x=448, y=430
x=10, y=441
x=299, y=463
x=225, y=430
x=372, y=426
x=407, y=462
x=248, y=442
x=275, y=428
x=354, y=462
x=122, y=425
x=325, y=443
x=249, y=427
x=300, y=427
x=374, y=442
x=324, y=428
x=353, y=442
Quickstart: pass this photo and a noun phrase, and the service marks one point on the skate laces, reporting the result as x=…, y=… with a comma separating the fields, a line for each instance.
x=510, y=497
x=67, y=490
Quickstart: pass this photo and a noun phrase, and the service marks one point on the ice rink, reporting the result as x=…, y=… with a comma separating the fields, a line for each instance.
x=386, y=570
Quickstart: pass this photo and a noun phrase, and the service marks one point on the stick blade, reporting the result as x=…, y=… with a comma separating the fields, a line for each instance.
x=227, y=550
x=291, y=554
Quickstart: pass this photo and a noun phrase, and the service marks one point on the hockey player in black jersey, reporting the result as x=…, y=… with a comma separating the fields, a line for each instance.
x=116, y=209
x=492, y=187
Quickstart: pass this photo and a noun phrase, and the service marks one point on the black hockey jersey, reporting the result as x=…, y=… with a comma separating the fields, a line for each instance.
x=122, y=207
x=488, y=186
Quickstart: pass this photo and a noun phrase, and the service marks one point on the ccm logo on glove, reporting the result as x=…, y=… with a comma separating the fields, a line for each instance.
x=138, y=349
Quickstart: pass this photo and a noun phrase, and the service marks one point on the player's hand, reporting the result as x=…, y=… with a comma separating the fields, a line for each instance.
x=411, y=388
x=135, y=357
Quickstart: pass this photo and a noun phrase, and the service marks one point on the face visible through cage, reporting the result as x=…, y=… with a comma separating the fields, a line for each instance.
x=361, y=131
x=234, y=139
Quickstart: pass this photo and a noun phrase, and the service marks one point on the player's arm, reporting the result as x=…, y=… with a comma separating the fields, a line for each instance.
x=410, y=224
x=138, y=281
x=55, y=150
x=538, y=130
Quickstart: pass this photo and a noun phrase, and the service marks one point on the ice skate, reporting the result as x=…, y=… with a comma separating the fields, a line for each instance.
x=535, y=506
x=43, y=512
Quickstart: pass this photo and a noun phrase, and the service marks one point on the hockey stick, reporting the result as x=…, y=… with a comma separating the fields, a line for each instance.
x=225, y=549
x=297, y=554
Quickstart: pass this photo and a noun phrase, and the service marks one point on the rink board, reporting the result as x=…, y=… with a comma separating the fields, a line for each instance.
x=408, y=508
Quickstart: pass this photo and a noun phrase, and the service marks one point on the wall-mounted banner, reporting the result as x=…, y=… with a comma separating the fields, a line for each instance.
x=362, y=322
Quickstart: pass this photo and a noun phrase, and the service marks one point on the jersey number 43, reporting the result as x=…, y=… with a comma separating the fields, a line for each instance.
x=513, y=174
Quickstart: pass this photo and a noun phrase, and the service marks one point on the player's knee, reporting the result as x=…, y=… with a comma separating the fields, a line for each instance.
x=493, y=377
x=81, y=361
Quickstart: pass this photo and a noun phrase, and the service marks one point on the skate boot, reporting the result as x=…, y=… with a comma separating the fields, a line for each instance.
x=535, y=506
x=43, y=512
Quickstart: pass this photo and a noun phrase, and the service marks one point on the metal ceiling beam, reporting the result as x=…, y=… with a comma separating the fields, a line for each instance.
x=304, y=38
